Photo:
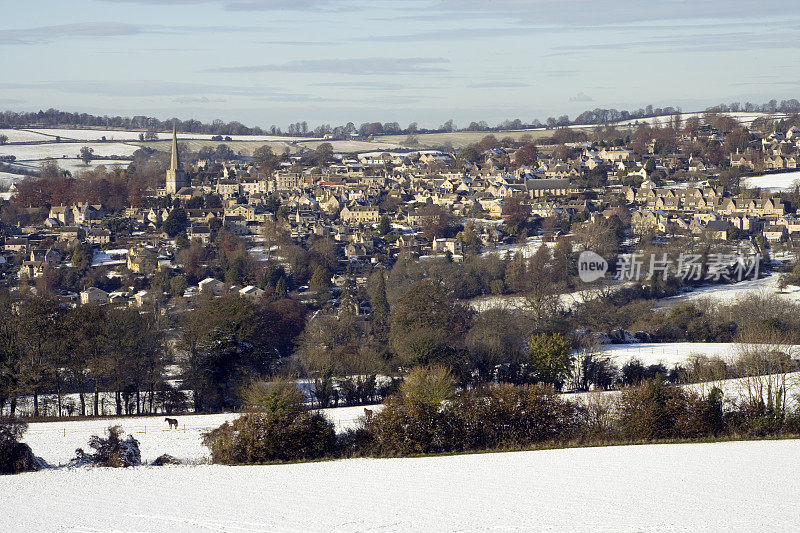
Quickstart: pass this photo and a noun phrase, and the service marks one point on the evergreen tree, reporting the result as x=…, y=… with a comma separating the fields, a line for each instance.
x=550, y=359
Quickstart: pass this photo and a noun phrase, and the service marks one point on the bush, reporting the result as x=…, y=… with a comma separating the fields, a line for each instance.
x=655, y=410
x=426, y=416
x=112, y=451
x=277, y=428
x=15, y=456
x=506, y=416
x=263, y=438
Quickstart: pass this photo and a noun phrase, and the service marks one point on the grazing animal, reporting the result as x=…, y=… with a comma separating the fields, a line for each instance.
x=173, y=422
x=368, y=413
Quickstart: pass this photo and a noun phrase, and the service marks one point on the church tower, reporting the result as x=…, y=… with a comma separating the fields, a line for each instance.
x=176, y=177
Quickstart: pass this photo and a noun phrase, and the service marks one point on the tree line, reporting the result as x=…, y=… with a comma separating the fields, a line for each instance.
x=56, y=118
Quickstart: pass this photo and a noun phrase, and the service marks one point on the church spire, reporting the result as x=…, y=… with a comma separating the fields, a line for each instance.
x=174, y=162
x=176, y=177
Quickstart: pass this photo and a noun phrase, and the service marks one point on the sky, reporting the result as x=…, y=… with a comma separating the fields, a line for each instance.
x=274, y=62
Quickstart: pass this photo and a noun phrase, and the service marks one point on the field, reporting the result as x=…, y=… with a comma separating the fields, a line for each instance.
x=774, y=182
x=246, y=147
x=55, y=442
x=461, y=139
x=27, y=152
x=121, y=135
x=674, y=353
x=239, y=147
x=732, y=486
x=730, y=293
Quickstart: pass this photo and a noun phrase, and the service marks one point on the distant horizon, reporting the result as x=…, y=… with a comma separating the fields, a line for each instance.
x=332, y=61
x=459, y=126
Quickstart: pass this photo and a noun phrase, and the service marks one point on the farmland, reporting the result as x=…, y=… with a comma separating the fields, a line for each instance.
x=584, y=489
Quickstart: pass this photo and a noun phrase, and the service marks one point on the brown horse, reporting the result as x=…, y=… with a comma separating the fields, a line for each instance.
x=368, y=413
x=173, y=422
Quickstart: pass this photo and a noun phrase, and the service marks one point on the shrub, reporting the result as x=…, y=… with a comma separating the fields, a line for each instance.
x=655, y=410
x=507, y=415
x=16, y=456
x=278, y=427
x=112, y=451
x=426, y=416
x=418, y=418
x=261, y=438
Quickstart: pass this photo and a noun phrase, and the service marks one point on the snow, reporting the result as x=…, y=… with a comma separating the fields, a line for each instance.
x=26, y=152
x=527, y=248
x=730, y=293
x=353, y=146
x=8, y=178
x=133, y=135
x=673, y=353
x=21, y=136
x=108, y=257
x=55, y=442
x=774, y=182
x=739, y=486
x=745, y=117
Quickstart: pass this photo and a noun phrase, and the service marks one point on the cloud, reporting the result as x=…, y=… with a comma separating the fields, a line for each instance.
x=197, y=92
x=497, y=84
x=197, y=100
x=300, y=43
x=454, y=34
x=581, y=97
x=595, y=12
x=46, y=34
x=366, y=85
x=356, y=66
x=248, y=5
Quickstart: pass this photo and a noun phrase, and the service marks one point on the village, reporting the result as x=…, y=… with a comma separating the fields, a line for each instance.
x=374, y=207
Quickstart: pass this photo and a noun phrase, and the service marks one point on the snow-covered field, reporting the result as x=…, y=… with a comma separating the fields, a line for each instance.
x=118, y=135
x=8, y=178
x=109, y=257
x=27, y=152
x=673, y=353
x=732, y=486
x=22, y=136
x=774, y=182
x=354, y=146
x=527, y=248
x=730, y=293
x=55, y=442
x=745, y=117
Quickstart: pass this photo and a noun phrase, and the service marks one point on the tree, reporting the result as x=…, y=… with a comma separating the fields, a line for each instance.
x=323, y=153
x=525, y=156
x=436, y=221
x=469, y=154
x=176, y=222
x=421, y=329
x=320, y=284
x=3, y=139
x=264, y=157
x=376, y=290
x=11, y=355
x=39, y=343
x=550, y=359
x=384, y=225
x=87, y=154
x=470, y=238
x=219, y=358
x=177, y=285
x=82, y=256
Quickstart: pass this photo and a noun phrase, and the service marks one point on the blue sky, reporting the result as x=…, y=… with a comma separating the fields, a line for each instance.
x=265, y=62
